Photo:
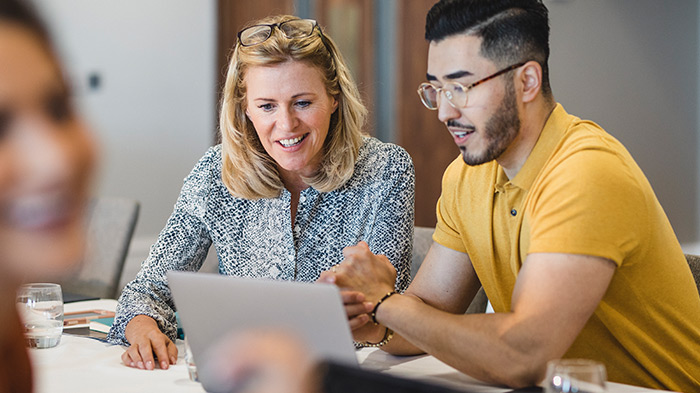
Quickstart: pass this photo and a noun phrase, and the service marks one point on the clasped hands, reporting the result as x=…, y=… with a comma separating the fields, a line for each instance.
x=363, y=279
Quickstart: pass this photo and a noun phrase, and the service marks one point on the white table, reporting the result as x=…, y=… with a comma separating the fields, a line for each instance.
x=80, y=364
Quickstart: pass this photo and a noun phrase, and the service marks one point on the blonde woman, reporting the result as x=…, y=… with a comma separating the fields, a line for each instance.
x=294, y=182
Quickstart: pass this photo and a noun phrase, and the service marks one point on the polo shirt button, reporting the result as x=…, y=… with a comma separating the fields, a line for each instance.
x=302, y=199
x=513, y=212
x=291, y=258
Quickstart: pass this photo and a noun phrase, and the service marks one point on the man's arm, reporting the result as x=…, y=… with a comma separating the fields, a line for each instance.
x=446, y=281
x=554, y=296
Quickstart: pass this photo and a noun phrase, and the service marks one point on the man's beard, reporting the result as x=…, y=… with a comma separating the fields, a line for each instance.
x=500, y=130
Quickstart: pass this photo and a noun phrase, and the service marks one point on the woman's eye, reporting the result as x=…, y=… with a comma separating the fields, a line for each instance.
x=265, y=107
x=58, y=107
x=303, y=104
x=5, y=120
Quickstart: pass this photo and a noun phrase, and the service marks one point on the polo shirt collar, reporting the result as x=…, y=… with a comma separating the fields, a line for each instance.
x=549, y=138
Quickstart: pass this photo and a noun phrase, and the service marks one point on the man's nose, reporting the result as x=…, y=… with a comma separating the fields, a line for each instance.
x=446, y=111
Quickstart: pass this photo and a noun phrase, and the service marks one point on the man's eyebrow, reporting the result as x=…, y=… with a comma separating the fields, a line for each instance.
x=458, y=74
x=452, y=76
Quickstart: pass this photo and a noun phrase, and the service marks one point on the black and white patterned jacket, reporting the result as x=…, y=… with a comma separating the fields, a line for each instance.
x=256, y=238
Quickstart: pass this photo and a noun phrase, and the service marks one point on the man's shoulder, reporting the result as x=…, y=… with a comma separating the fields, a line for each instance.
x=588, y=149
x=576, y=134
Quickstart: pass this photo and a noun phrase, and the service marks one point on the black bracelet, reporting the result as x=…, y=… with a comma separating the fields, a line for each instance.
x=388, y=334
x=376, y=306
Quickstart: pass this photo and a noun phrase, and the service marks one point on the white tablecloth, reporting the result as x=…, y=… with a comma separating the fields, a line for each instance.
x=80, y=364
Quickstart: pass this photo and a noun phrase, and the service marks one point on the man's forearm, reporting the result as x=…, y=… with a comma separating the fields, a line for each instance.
x=398, y=344
x=488, y=347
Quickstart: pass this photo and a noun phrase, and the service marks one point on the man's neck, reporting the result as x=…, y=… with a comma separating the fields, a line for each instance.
x=532, y=119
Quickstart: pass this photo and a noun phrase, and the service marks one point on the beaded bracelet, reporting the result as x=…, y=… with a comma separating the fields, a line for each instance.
x=373, y=314
x=388, y=334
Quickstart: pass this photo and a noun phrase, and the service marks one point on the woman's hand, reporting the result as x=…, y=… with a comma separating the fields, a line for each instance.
x=147, y=340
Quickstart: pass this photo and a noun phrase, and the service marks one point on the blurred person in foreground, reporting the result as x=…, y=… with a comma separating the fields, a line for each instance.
x=46, y=161
x=548, y=212
x=293, y=183
x=276, y=361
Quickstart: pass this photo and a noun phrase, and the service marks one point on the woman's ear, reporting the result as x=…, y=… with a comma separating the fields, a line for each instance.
x=335, y=104
x=531, y=78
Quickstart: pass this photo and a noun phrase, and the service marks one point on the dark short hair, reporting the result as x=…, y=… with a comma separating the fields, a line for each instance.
x=22, y=13
x=512, y=31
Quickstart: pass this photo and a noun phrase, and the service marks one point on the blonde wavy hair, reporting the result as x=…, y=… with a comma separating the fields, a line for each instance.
x=247, y=170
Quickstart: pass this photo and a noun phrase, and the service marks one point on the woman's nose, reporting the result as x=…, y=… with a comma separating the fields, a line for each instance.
x=287, y=120
x=43, y=152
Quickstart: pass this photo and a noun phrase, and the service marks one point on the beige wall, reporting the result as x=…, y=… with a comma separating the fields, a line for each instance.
x=632, y=67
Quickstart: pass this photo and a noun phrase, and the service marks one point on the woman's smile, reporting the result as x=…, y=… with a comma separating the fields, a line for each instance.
x=292, y=142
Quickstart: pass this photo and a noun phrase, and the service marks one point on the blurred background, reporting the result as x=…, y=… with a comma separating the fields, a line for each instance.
x=147, y=74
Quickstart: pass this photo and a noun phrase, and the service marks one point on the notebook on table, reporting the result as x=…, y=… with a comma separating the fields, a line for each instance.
x=212, y=305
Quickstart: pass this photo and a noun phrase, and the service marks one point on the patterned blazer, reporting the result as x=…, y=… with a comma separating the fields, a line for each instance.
x=256, y=238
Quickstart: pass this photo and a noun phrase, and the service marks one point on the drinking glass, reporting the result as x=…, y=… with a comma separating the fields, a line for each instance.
x=40, y=306
x=575, y=376
x=189, y=362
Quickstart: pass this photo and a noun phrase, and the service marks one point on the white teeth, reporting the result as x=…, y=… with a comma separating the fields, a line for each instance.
x=291, y=142
x=461, y=134
x=37, y=212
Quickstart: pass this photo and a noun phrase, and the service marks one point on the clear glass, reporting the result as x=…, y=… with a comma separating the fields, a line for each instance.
x=189, y=362
x=455, y=93
x=40, y=306
x=575, y=376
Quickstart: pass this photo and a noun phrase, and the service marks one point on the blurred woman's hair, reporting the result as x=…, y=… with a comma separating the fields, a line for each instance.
x=22, y=13
x=248, y=171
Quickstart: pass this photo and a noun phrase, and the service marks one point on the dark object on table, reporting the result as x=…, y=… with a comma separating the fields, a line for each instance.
x=70, y=297
x=532, y=389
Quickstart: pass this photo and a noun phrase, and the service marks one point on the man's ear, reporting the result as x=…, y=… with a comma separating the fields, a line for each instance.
x=530, y=77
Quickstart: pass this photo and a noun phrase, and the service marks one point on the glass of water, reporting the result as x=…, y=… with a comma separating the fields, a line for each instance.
x=189, y=362
x=575, y=376
x=40, y=307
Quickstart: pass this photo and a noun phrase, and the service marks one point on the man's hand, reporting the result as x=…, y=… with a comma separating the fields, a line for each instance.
x=356, y=308
x=362, y=276
x=146, y=340
x=362, y=271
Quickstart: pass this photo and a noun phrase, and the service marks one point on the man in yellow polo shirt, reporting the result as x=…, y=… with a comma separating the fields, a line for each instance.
x=547, y=211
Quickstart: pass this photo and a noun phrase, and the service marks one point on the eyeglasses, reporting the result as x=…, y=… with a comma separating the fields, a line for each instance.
x=295, y=28
x=455, y=92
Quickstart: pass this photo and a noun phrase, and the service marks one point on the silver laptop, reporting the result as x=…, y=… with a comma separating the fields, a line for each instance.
x=211, y=305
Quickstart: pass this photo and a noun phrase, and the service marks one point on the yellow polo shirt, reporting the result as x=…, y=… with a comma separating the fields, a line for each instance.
x=580, y=192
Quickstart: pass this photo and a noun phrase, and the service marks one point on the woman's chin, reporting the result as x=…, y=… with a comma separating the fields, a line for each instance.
x=47, y=255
